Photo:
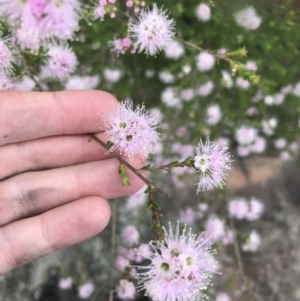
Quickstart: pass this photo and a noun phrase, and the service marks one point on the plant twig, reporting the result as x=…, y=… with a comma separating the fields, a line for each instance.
x=220, y=56
x=240, y=264
x=112, y=247
x=36, y=81
x=155, y=220
x=129, y=166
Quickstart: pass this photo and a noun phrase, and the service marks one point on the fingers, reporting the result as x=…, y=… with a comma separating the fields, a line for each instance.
x=31, y=115
x=32, y=193
x=49, y=153
x=28, y=239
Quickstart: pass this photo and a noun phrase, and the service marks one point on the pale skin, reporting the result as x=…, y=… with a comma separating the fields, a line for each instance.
x=54, y=182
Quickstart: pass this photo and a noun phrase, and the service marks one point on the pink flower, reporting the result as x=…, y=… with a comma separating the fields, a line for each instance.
x=238, y=208
x=26, y=84
x=143, y=252
x=180, y=267
x=252, y=111
x=214, y=228
x=121, y=263
x=120, y=46
x=42, y=20
x=99, y=12
x=6, y=56
x=86, y=290
x=248, y=18
x=174, y=50
x=252, y=243
x=130, y=235
x=246, y=135
x=153, y=30
x=214, y=114
x=132, y=131
x=228, y=237
x=206, y=89
x=222, y=141
x=212, y=162
x=65, y=283
x=187, y=216
x=61, y=63
x=27, y=38
x=242, y=83
x=223, y=297
x=187, y=94
x=280, y=143
x=251, y=66
x=125, y=290
x=203, y=207
x=259, y=145
x=77, y=82
x=6, y=83
x=203, y=12
x=256, y=210
x=205, y=61
x=243, y=151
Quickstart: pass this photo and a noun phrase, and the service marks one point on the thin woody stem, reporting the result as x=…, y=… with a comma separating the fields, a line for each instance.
x=189, y=162
x=240, y=264
x=220, y=56
x=155, y=220
x=180, y=164
x=112, y=246
x=129, y=166
x=27, y=71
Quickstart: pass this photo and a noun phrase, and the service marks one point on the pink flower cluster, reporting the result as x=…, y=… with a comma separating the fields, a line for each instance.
x=249, y=141
x=125, y=290
x=104, y=7
x=180, y=268
x=250, y=210
x=152, y=31
x=133, y=132
x=62, y=61
x=120, y=46
x=212, y=162
x=37, y=22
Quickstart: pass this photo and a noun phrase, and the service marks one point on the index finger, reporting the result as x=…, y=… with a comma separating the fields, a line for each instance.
x=31, y=115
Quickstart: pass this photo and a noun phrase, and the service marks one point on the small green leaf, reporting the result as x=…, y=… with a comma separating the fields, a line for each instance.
x=146, y=167
x=174, y=164
x=109, y=145
x=156, y=206
x=123, y=175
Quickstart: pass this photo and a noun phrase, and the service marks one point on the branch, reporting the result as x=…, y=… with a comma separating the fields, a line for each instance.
x=36, y=81
x=129, y=166
x=240, y=264
x=220, y=56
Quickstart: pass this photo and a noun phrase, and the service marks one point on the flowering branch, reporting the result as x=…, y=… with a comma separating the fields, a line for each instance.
x=234, y=65
x=129, y=166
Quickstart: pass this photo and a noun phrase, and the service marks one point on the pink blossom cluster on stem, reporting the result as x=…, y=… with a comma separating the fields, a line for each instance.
x=212, y=162
x=133, y=132
x=180, y=268
x=38, y=22
x=152, y=31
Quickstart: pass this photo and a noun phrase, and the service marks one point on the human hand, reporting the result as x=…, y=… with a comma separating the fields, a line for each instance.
x=53, y=182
